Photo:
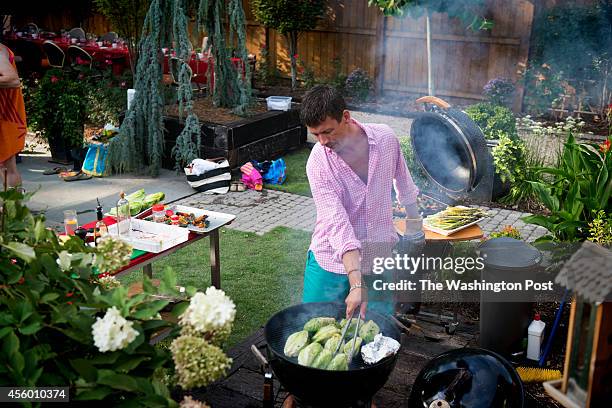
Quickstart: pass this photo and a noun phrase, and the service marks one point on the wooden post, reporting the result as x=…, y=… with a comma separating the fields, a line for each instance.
x=215, y=266
x=526, y=15
x=568, y=347
x=379, y=54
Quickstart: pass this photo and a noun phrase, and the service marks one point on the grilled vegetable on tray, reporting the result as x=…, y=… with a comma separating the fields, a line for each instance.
x=455, y=217
x=368, y=331
x=325, y=333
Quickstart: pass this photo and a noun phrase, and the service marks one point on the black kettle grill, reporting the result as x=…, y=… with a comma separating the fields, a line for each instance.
x=324, y=388
x=452, y=151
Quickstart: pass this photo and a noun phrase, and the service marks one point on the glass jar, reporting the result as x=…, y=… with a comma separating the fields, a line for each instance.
x=159, y=213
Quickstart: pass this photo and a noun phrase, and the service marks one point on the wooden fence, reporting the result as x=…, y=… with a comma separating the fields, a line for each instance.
x=393, y=50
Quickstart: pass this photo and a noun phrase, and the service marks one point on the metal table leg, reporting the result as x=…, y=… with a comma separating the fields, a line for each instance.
x=215, y=266
x=147, y=270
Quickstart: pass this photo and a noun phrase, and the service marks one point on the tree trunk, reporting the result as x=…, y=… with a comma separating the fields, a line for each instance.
x=292, y=41
x=430, y=84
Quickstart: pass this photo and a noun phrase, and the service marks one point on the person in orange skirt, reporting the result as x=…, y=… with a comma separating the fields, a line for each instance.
x=13, y=127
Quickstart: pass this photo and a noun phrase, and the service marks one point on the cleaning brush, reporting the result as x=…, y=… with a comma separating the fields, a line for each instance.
x=536, y=374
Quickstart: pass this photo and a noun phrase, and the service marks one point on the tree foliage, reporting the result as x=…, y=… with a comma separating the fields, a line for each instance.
x=290, y=18
x=140, y=144
x=126, y=18
x=468, y=11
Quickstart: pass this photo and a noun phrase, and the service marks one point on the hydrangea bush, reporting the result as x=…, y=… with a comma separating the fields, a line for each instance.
x=62, y=324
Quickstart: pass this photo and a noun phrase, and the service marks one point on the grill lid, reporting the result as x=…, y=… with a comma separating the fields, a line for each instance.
x=450, y=148
x=509, y=254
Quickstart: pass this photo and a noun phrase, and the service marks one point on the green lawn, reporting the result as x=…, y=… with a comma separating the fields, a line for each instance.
x=262, y=274
x=296, y=182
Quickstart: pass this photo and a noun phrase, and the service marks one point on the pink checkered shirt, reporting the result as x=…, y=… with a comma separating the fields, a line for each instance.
x=349, y=212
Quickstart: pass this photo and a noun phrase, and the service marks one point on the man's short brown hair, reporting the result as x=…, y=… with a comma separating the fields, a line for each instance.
x=319, y=103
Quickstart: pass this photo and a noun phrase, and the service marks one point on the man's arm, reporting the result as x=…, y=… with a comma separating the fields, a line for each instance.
x=406, y=192
x=8, y=74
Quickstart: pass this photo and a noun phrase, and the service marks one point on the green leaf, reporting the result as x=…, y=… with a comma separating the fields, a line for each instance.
x=97, y=393
x=544, y=193
x=4, y=331
x=30, y=328
x=17, y=362
x=105, y=358
x=85, y=369
x=10, y=344
x=130, y=363
x=49, y=297
x=179, y=309
x=21, y=250
x=540, y=220
x=151, y=310
x=118, y=381
x=39, y=230
x=154, y=325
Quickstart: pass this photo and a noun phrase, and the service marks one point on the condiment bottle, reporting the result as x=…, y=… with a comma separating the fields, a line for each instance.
x=101, y=229
x=123, y=215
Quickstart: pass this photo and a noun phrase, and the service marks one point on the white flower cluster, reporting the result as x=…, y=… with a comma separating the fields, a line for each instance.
x=569, y=125
x=209, y=311
x=109, y=282
x=112, y=254
x=113, y=332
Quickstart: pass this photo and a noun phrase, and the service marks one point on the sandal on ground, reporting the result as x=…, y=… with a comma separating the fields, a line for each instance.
x=79, y=176
x=68, y=173
x=54, y=170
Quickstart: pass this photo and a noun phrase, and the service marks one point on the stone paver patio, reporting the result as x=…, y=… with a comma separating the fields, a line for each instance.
x=260, y=212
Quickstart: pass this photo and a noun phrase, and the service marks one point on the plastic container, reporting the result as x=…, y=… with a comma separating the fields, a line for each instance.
x=159, y=213
x=279, y=102
x=535, y=338
x=152, y=237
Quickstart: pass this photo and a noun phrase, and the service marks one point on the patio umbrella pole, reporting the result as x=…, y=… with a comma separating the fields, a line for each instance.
x=430, y=85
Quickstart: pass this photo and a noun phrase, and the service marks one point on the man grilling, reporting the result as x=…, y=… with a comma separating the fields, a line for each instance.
x=351, y=170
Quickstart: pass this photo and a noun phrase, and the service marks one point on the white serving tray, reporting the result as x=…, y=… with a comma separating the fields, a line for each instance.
x=162, y=236
x=215, y=219
x=449, y=232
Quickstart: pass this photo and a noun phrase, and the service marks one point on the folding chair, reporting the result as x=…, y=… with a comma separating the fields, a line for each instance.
x=174, y=66
x=31, y=28
x=110, y=36
x=55, y=55
x=77, y=32
x=79, y=56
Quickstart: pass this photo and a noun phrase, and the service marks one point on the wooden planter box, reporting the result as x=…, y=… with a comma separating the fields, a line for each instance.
x=260, y=137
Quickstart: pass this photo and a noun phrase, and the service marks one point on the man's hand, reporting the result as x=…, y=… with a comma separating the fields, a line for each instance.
x=355, y=298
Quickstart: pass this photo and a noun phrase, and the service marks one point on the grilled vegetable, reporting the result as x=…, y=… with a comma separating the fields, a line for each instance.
x=455, y=217
x=325, y=333
x=332, y=342
x=309, y=353
x=295, y=343
x=353, y=325
x=314, y=324
x=338, y=363
x=349, y=345
x=368, y=331
x=323, y=359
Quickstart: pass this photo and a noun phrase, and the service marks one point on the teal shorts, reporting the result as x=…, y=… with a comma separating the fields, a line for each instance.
x=323, y=286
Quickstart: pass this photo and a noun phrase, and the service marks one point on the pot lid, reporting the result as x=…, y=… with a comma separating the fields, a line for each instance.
x=446, y=144
x=509, y=254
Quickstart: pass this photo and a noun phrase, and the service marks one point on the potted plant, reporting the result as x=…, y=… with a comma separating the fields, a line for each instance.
x=57, y=111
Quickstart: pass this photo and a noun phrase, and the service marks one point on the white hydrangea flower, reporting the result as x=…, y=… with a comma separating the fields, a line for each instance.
x=209, y=311
x=113, y=332
x=64, y=260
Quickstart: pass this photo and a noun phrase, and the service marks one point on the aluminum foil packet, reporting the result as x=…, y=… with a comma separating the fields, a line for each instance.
x=378, y=349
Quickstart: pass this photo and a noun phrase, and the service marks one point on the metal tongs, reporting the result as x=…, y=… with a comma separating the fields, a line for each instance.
x=354, y=340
